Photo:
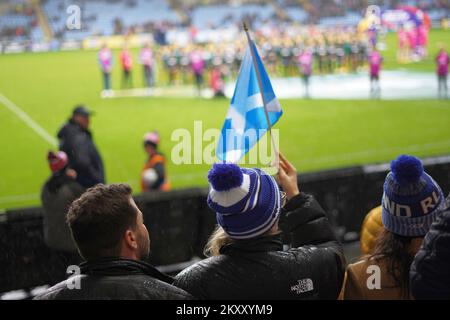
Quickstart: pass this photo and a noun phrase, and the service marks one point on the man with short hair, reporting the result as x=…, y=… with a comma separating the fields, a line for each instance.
x=110, y=234
x=76, y=141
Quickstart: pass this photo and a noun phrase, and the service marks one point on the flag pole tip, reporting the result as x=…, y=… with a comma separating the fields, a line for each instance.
x=245, y=26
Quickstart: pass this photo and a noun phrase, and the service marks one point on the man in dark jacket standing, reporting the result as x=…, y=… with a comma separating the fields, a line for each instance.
x=247, y=257
x=76, y=141
x=430, y=270
x=110, y=234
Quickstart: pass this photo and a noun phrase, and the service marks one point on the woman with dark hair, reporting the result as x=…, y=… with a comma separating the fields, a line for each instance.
x=411, y=202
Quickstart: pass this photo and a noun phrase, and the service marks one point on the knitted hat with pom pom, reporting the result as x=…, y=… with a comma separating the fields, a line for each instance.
x=246, y=201
x=411, y=198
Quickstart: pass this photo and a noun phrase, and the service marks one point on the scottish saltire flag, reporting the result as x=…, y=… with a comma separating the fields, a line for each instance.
x=246, y=121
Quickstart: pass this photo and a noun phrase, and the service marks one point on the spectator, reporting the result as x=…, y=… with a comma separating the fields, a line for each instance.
x=198, y=66
x=216, y=82
x=411, y=201
x=57, y=194
x=247, y=260
x=76, y=141
x=126, y=61
x=146, y=59
x=105, y=60
x=305, y=61
x=110, y=234
x=442, y=61
x=154, y=174
x=429, y=273
x=375, y=61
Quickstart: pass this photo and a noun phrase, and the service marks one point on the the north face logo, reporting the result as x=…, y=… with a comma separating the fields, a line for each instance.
x=303, y=285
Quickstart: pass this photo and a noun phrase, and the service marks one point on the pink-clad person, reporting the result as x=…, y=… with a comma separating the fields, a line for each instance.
x=147, y=61
x=126, y=61
x=198, y=66
x=375, y=61
x=105, y=60
x=442, y=62
x=305, y=62
x=403, y=50
x=422, y=40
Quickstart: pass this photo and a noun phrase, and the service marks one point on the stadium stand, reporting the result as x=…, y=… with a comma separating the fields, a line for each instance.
x=18, y=21
x=223, y=15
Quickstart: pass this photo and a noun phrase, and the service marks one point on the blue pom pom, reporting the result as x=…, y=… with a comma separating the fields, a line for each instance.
x=225, y=176
x=406, y=169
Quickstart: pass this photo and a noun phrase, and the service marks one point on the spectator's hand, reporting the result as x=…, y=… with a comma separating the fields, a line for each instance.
x=287, y=177
x=71, y=173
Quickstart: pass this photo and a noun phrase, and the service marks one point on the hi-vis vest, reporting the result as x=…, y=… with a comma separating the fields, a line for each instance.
x=151, y=163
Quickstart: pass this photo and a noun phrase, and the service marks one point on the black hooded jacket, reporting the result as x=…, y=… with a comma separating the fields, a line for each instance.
x=430, y=270
x=83, y=155
x=116, y=279
x=260, y=269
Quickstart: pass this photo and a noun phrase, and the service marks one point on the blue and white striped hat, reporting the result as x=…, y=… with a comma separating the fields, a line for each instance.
x=247, y=202
x=411, y=199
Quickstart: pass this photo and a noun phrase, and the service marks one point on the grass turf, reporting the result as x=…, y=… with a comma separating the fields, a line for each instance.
x=314, y=134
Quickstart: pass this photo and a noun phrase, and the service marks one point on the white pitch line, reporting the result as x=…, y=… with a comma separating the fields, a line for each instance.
x=28, y=121
x=19, y=198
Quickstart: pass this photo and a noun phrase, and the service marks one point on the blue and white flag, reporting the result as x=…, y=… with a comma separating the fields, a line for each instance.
x=246, y=121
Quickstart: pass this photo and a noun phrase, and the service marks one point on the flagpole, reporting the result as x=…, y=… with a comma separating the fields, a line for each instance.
x=258, y=76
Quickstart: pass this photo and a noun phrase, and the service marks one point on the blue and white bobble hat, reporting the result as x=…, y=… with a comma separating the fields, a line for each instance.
x=247, y=202
x=411, y=199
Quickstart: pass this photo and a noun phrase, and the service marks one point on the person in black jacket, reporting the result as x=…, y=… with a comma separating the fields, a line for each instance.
x=110, y=234
x=76, y=141
x=247, y=260
x=429, y=274
x=57, y=194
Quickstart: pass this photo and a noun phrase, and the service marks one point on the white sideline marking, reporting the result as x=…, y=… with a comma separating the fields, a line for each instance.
x=175, y=91
x=28, y=121
x=19, y=197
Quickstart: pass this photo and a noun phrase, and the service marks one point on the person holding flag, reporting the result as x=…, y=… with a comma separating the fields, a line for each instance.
x=246, y=257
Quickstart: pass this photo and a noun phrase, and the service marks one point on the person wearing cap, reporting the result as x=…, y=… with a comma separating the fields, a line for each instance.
x=75, y=139
x=411, y=202
x=246, y=255
x=154, y=174
x=57, y=194
x=126, y=61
